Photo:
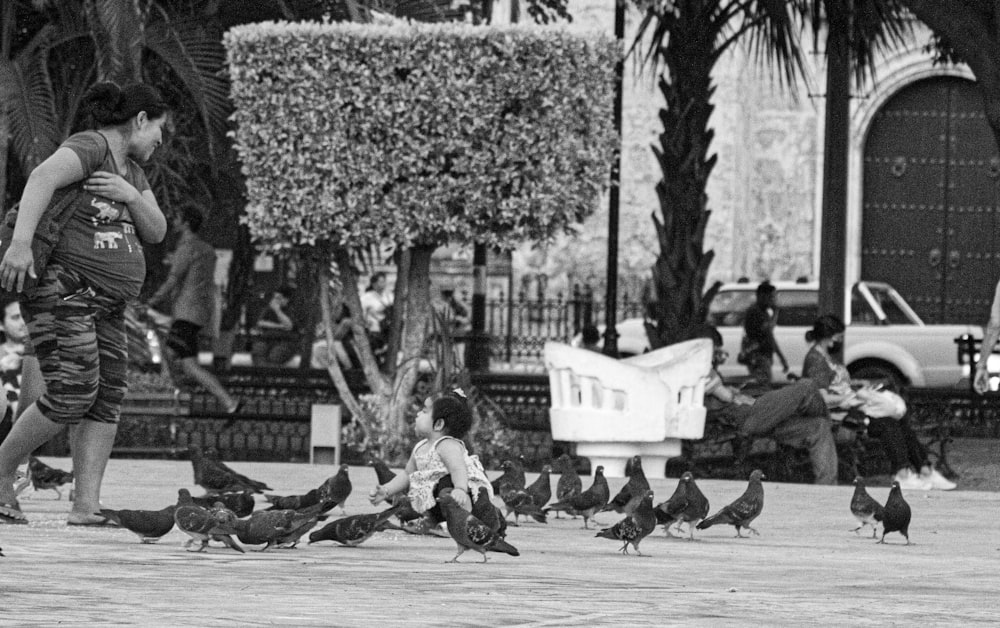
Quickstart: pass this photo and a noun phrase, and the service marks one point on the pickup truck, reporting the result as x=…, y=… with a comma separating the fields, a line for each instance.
x=885, y=338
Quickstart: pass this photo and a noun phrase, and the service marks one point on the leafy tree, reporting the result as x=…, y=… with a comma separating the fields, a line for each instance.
x=420, y=136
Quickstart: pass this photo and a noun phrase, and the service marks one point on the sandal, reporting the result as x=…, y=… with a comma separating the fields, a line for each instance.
x=10, y=513
x=85, y=521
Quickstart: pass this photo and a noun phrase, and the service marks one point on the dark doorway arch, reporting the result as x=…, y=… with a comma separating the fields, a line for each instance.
x=931, y=192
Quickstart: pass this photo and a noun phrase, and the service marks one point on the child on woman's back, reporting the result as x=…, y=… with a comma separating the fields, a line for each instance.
x=439, y=461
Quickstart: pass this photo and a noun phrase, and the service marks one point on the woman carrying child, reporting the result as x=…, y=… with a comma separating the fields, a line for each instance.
x=439, y=461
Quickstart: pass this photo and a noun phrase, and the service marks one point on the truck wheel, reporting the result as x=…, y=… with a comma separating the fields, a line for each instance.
x=878, y=371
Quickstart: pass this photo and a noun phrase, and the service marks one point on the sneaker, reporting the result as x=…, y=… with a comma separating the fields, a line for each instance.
x=936, y=480
x=909, y=480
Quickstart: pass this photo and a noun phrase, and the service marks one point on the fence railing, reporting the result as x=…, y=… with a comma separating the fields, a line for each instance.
x=520, y=326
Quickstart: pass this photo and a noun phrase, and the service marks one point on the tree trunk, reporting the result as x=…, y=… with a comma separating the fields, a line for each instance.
x=414, y=335
x=682, y=266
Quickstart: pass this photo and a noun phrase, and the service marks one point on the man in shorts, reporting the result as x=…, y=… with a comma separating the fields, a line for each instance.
x=190, y=288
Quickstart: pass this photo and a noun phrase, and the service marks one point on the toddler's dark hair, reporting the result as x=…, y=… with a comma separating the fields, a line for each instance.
x=453, y=408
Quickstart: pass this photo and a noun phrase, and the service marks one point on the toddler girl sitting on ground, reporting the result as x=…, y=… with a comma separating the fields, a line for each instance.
x=439, y=461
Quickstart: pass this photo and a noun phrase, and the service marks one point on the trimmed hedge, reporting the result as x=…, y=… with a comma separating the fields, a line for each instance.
x=421, y=134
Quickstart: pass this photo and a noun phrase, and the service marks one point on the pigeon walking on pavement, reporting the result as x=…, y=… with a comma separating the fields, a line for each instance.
x=486, y=511
x=744, y=510
x=512, y=479
x=469, y=532
x=383, y=474
x=240, y=502
x=569, y=480
x=588, y=502
x=634, y=527
x=274, y=527
x=216, y=477
x=292, y=502
x=336, y=489
x=629, y=496
x=148, y=525
x=687, y=505
x=541, y=489
x=203, y=524
x=864, y=507
x=355, y=529
x=896, y=514
x=522, y=503
x=45, y=478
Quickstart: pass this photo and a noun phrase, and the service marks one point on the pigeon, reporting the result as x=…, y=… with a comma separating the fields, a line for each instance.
x=43, y=477
x=148, y=525
x=541, y=489
x=634, y=527
x=383, y=473
x=744, y=510
x=588, y=502
x=687, y=505
x=203, y=524
x=896, y=515
x=522, y=503
x=216, y=477
x=469, y=532
x=240, y=502
x=293, y=502
x=354, y=530
x=484, y=510
x=569, y=480
x=274, y=527
x=336, y=489
x=512, y=479
x=629, y=496
x=865, y=508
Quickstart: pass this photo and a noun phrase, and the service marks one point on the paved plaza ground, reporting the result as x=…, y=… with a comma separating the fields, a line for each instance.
x=806, y=568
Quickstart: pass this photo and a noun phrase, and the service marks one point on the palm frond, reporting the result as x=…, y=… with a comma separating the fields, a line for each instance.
x=118, y=29
x=28, y=101
x=197, y=59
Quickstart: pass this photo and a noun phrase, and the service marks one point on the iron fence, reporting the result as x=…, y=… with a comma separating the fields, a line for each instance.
x=520, y=326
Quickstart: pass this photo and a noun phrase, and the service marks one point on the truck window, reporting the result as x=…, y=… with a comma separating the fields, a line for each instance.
x=798, y=308
x=861, y=312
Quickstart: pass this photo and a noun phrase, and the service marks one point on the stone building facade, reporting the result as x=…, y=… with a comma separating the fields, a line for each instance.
x=926, y=226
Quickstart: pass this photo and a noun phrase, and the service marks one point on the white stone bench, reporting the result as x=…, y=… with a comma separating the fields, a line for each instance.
x=615, y=409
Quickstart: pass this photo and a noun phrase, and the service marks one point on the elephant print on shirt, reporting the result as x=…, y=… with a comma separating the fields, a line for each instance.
x=106, y=212
x=106, y=239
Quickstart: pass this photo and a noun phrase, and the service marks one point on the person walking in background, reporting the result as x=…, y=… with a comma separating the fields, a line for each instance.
x=905, y=451
x=190, y=288
x=76, y=312
x=759, y=347
x=795, y=415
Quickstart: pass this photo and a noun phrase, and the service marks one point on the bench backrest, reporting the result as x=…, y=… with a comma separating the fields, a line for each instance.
x=597, y=398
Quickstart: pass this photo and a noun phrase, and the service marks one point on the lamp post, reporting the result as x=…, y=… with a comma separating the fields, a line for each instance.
x=614, y=197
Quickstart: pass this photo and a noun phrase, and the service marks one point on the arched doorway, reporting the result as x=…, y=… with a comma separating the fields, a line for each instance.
x=930, y=200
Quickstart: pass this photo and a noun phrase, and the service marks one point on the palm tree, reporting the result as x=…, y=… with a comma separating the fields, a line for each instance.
x=75, y=42
x=686, y=38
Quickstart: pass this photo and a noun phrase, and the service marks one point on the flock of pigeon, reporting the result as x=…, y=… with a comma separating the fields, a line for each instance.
x=228, y=508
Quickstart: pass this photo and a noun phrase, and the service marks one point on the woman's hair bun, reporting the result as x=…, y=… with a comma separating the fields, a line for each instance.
x=102, y=101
